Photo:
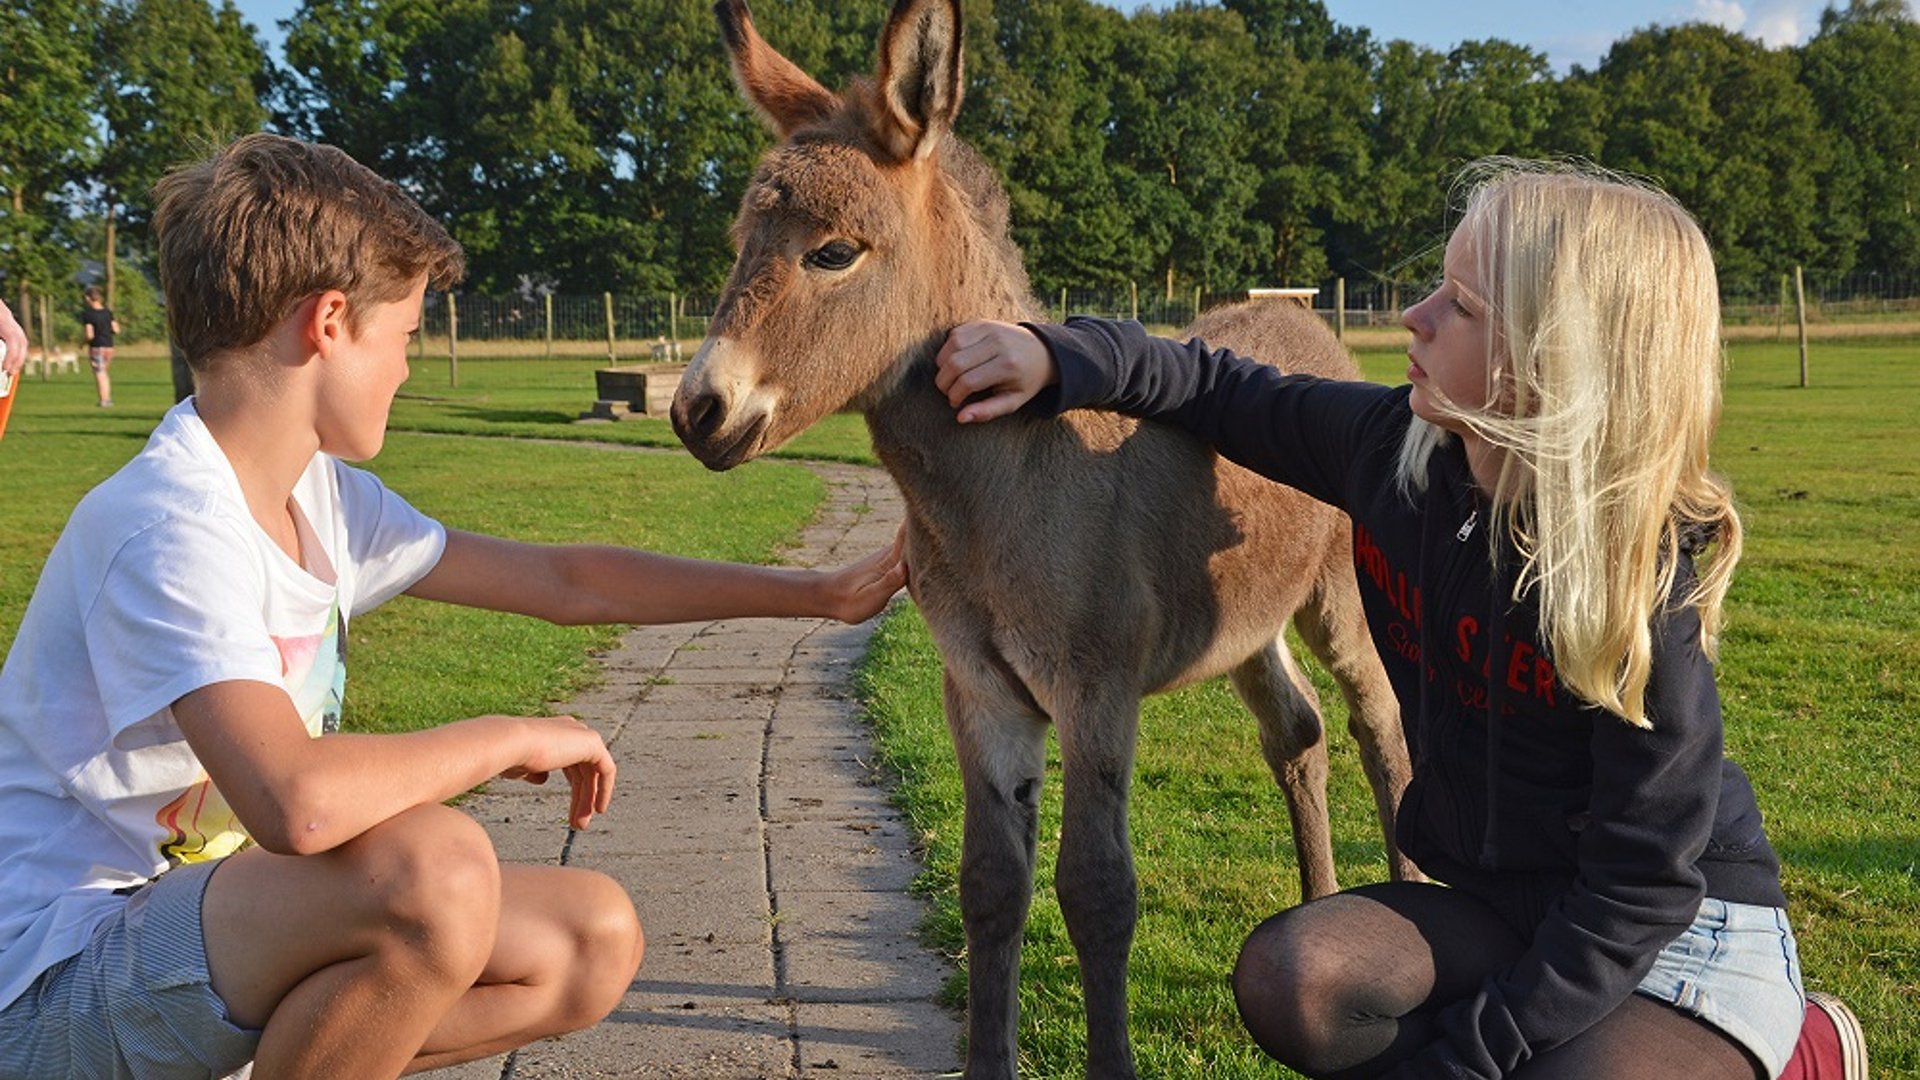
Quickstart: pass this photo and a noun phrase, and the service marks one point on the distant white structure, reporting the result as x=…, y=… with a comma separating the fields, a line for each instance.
x=1302, y=294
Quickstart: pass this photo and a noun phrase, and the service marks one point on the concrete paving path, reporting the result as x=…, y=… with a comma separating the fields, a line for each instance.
x=768, y=867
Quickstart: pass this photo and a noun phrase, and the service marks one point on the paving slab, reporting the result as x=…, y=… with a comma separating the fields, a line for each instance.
x=757, y=839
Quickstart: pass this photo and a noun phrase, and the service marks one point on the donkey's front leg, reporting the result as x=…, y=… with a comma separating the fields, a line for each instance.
x=1095, y=879
x=1002, y=747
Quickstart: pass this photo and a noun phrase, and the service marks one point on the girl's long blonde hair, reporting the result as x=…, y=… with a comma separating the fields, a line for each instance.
x=1606, y=372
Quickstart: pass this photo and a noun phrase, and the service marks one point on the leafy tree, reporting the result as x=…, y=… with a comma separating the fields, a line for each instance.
x=1183, y=91
x=599, y=144
x=1308, y=138
x=1724, y=124
x=1432, y=114
x=46, y=137
x=1043, y=118
x=175, y=78
x=1302, y=28
x=1863, y=69
x=1579, y=117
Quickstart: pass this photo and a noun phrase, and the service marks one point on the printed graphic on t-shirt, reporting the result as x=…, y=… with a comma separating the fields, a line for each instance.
x=199, y=824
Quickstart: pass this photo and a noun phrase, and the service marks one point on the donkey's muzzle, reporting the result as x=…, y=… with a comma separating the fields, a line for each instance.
x=719, y=436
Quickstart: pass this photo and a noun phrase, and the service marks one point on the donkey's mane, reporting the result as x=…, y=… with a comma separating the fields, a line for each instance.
x=986, y=201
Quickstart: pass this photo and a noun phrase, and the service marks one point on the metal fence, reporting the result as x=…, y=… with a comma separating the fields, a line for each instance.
x=623, y=320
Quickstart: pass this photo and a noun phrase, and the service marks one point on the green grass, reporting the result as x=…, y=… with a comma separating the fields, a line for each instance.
x=417, y=664
x=1818, y=672
x=1818, y=676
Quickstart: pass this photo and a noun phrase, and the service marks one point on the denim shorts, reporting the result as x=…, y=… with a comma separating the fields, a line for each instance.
x=136, y=1002
x=1737, y=968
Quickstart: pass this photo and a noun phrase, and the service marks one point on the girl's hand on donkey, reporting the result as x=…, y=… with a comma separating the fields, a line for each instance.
x=989, y=369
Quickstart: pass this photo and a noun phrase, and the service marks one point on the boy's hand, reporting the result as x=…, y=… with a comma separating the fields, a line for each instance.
x=857, y=592
x=13, y=342
x=1006, y=363
x=566, y=744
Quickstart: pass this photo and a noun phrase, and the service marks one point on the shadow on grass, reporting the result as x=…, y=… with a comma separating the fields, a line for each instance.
x=139, y=434
x=1855, y=855
x=510, y=416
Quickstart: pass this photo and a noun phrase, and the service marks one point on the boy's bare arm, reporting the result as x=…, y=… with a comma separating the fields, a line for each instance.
x=578, y=584
x=298, y=795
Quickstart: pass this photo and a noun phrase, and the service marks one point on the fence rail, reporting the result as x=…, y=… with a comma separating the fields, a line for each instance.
x=623, y=320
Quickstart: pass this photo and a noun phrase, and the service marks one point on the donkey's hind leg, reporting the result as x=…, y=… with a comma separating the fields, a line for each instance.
x=1334, y=626
x=1292, y=738
x=1002, y=746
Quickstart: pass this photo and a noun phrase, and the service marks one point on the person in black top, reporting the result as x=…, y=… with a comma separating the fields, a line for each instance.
x=97, y=320
x=1543, y=555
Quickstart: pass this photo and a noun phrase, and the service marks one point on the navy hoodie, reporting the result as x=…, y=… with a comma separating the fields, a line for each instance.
x=1595, y=839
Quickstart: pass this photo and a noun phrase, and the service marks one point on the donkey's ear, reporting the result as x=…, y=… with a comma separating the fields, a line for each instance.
x=786, y=96
x=919, y=77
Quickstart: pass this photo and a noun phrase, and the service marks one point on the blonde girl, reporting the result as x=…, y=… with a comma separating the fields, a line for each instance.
x=1541, y=488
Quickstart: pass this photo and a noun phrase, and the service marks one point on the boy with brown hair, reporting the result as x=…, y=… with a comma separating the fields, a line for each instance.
x=190, y=878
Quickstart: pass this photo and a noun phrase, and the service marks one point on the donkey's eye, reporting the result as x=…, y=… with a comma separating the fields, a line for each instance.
x=833, y=255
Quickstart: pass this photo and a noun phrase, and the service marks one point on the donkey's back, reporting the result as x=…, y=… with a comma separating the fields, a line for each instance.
x=1142, y=547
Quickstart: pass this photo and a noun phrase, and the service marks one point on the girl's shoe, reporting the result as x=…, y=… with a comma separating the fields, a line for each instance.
x=1831, y=1046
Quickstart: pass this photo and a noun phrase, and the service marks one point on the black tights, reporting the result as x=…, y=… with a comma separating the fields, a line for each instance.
x=1349, y=986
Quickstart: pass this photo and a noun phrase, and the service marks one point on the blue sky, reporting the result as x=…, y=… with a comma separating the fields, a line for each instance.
x=1567, y=31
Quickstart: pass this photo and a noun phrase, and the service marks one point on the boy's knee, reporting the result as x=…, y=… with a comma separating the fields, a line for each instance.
x=608, y=944
x=432, y=876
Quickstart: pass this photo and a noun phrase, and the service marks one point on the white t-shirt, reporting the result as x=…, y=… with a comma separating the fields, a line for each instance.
x=163, y=583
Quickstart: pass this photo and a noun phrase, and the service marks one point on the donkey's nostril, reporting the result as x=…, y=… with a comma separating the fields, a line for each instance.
x=701, y=418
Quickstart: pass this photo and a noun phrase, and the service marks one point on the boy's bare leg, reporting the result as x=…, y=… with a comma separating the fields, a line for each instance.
x=352, y=959
x=565, y=954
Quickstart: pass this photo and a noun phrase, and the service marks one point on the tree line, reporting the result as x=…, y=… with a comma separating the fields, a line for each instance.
x=599, y=145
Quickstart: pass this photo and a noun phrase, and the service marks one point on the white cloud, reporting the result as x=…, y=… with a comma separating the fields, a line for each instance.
x=1723, y=13
x=1775, y=23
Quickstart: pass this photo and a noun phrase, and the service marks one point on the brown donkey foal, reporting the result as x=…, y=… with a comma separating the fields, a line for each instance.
x=1066, y=567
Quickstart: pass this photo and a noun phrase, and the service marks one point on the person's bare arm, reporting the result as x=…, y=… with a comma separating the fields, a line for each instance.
x=579, y=584
x=13, y=342
x=298, y=795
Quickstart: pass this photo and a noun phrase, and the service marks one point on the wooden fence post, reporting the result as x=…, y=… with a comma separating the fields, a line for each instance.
x=46, y=332
x=1196, y=302
x=608, y=298
x=549, y=326
x=1133, y=296
x=1780, y=309
x=1063, y=303
x=673, y=325
x=1800, y=305
x=453, y=340
x=1340, y=309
